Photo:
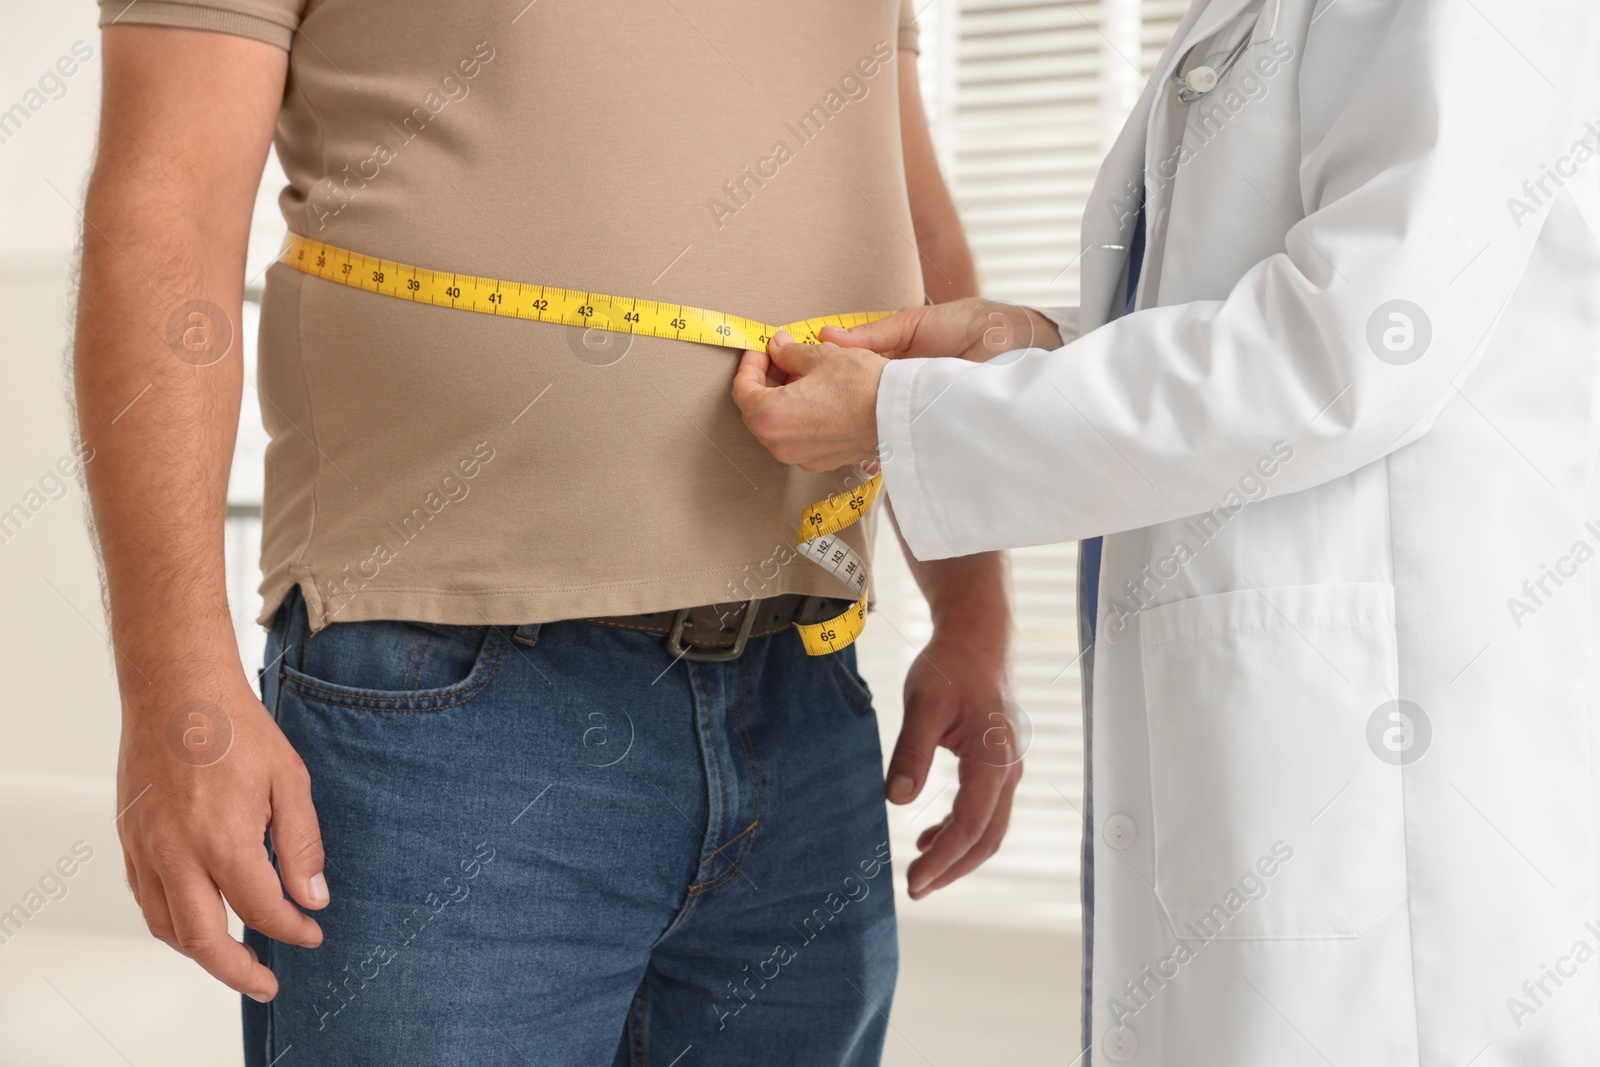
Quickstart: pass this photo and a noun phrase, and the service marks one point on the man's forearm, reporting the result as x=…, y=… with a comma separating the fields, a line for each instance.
x=162, y=430
x=948, y=272
x=968, y=596
x=157, y=360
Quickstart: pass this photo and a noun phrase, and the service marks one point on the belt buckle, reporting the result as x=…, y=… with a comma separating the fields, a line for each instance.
x=697, y=654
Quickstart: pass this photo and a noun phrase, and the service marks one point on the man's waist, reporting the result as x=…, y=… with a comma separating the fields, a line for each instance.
x=719, y=631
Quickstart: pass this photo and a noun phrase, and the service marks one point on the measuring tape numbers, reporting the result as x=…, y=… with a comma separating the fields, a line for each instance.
x=819, y=524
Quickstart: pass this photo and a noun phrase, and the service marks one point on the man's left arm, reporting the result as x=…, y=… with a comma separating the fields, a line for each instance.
x=947, y=269
x=956, y=688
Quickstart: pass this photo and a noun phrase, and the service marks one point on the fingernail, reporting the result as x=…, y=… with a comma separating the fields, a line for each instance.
x=917, y=887
x=319, y=888
x=900, y=787
x=783, y=337
x=259, y=998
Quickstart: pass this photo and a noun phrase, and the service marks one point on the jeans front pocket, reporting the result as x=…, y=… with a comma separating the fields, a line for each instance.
x=393, y=665
x=1272, y=817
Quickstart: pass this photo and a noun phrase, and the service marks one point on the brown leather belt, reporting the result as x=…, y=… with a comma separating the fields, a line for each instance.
x=714, y=633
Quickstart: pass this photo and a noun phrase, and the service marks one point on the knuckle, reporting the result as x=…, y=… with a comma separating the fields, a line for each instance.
x=299, y=776
x=258, y=916
x=169, y=851
x=303, y=848
x=200, y=947
x=214, y=843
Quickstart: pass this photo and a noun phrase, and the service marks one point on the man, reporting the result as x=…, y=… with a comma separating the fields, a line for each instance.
x=550, y=795
x=1332, y=397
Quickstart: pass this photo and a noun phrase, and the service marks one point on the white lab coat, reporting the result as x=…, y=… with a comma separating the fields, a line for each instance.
x=1315, y=508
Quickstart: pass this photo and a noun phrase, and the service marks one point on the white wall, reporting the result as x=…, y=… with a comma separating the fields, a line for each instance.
x=60, y=714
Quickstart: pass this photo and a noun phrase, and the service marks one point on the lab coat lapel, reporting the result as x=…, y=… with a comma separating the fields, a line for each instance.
x=1108, y=223
x=1211, y=18
x=1119, y=188
x=1164, y=130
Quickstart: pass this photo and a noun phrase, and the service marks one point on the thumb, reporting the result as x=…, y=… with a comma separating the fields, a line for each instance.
x=297, y=841
x=792, y=357
x=752, y=381
x=890, y=334
x=920, y=732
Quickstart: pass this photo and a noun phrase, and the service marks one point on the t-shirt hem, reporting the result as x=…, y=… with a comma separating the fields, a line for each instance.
x=191, y=16
x=473, y=605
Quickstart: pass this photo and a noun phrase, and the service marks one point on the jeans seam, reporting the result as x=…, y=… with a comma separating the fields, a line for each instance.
x=405, y=680
x=846, y=686
x=411, y=657
x=747, y=836
x=727, y=844
x=716, y=756
x=752, y=761
x=685, y=910
x=746, y=749
x=640, y=1014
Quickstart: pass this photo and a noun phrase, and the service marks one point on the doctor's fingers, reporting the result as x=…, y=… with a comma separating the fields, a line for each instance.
x=797, y=359
x=764, y=370
x=892, y=334
x=955, y=329
x=752, y=382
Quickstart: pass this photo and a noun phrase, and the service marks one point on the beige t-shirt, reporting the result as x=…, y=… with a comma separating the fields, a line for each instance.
x=438, y=465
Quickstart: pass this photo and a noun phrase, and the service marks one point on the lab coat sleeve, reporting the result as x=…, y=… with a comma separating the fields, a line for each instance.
x=1065, y=319
x=1156, y=415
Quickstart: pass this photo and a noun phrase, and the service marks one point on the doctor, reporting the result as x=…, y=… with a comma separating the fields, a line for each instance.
x=1333, y=398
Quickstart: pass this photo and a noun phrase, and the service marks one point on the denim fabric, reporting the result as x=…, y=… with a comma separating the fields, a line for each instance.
x=551, y=845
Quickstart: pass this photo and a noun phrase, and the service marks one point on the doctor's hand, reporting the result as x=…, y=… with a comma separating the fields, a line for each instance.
x=813, y=406
x=973, y=329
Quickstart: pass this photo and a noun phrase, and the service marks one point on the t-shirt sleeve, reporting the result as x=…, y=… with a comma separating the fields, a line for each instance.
x=908, y=26
x=272, y=21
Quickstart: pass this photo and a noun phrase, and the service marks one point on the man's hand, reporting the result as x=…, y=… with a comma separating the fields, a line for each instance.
x=186, y=120
x=199, y=785
x=973, y=329
x=813, y=406
x=956, y=697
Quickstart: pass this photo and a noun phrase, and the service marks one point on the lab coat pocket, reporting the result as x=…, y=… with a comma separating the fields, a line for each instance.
x=1272, y=817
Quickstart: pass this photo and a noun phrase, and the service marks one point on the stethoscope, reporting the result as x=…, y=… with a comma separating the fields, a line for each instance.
x=1204, y=78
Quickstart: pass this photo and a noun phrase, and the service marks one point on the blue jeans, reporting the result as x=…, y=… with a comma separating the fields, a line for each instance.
x=551, y=845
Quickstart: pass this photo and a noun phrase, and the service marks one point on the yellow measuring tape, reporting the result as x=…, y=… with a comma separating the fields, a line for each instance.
x=620, y=314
